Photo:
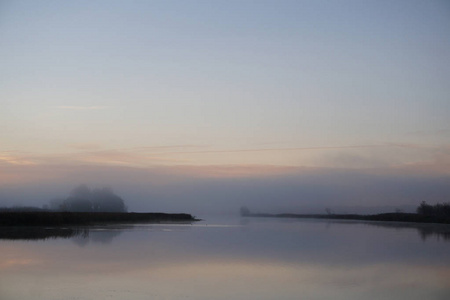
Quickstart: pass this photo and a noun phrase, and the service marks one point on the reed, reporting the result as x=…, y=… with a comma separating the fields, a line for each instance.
x=87, y=218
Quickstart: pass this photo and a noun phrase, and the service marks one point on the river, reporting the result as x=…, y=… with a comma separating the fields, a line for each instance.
x=228, y=258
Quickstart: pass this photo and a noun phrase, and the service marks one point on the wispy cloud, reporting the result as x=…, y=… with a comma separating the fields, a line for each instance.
x=410, y=146
x=85, y=146
x=124, y=158
x=438, y=163
x=82, y=107
x=168, y=148
x=189, y=159
x=292, y=149
x=15, y=160
x=236, y=171
x=437, y=132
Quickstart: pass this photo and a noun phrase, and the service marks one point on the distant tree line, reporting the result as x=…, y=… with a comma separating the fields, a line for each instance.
x=83, y=199
x=425, y=213
x=441, y=210
x=244, y=211
x=19, y=208
x=66, y=218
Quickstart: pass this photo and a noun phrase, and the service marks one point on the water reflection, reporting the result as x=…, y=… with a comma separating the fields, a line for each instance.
x=440, y=232
x=105, y=234
x=102, y=237
x=238, y=259
x=425, y=231
x=81, y=236
x=41, y=233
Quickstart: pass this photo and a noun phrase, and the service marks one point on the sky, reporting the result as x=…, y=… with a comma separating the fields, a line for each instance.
x=210, y=105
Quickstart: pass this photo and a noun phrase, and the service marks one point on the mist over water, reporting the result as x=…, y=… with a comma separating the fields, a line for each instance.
x=238, y=258
x=308, y=192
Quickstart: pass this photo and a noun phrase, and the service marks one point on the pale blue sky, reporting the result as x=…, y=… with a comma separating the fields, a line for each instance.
x=251, y=87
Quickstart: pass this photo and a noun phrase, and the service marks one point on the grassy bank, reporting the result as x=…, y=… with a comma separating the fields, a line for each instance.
x=86, y=218
x=387, y=217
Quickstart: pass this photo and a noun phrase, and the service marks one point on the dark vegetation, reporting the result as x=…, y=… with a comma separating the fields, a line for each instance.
x=86, y=218
x=425, y=230
x=84, y=207
x=439, y=213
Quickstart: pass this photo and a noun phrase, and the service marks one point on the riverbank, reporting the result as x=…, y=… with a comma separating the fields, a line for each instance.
x=87, y=218
x=387, y=217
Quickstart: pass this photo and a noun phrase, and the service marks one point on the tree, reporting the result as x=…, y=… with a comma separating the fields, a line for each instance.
x=107, y=201
x=425, y=209
x=83, y=199
x=78, y=204
x=82, y=191
x=245, y=211
x=56, y=204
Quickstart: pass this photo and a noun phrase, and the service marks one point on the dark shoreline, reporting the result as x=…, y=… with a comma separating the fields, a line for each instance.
x=386, y=217
x=88, y=218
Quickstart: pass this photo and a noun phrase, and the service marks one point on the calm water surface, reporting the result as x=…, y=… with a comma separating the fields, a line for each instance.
x=246, y=258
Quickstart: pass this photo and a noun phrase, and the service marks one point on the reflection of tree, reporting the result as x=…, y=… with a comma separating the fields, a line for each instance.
x=40, y=233
x=81, y=240
x=102, y=237
x=80, y=236
x=425, y=231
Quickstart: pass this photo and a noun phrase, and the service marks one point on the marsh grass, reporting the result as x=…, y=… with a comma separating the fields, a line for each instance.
x=87, y=218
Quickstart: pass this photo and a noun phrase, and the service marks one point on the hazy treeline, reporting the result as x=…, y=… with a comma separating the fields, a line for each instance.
x=18, y=208
x=83, y=199
x=65, y=218
x=425, y=213
x=441, y=210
